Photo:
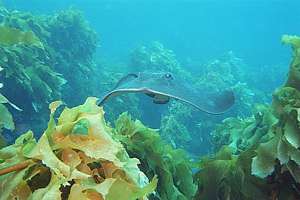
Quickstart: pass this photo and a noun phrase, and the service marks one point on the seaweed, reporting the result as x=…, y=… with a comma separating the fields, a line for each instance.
x=80, y=156
x=272, y=139
x=67, y=162
x=228, y=176
x=26, y=63
x=282, y=150
x=242, y=134
x=6, y=122
x=73, y=44
x=12, y=36
x=157, y=158
x=45, y=69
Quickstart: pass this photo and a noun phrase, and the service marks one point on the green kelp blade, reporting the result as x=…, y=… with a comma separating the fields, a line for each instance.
x=12, y=36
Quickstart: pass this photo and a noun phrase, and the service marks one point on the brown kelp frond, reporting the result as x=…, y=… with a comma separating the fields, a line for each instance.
x=76, y=157
x=172, y=166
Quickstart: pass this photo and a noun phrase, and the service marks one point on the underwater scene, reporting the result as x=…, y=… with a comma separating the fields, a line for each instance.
x=149, y=100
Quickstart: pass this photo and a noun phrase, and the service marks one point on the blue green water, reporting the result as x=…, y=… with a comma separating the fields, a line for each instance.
x=198, y=32
x=194, y=29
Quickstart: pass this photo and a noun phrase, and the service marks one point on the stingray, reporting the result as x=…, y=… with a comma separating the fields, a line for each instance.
x=163, y=86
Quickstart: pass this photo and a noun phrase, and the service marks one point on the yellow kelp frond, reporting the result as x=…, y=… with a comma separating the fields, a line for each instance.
x=110, y=189
x=11, y=36
x=13, y=185
x=77, y=158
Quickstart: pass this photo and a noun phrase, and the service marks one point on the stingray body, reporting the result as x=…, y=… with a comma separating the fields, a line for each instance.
x=161, y=86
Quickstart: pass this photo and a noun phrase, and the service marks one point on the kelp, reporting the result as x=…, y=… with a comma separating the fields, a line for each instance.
x=75, y=38
x=12, y=36
x=73, y=44
x=157, y=158
x=6, y=119
x=272, y=137
x=242, y=134
x=6, y=122
x=282, y=150
x=14, y=184
x=265, y=148
x=26, y=62
x=42, y=73
x=76, y=157
x=228, y=176
x=30, y=76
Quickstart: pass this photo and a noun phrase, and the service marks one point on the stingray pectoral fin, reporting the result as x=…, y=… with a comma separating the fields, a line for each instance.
x=215, y=104
x=107, y=96
x=225, y=100
x=161, y=99
x=117, y=93
x=150, y=94
x=218, y=103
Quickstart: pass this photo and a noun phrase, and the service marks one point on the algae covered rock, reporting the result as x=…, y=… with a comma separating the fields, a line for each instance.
x=226, y=72
x=155, y=57
x=173, y=125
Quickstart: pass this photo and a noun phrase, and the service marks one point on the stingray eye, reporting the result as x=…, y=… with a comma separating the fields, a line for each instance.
x=168, y=76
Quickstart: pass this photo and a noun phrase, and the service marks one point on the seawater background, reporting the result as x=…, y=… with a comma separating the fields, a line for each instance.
x=196, y=30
